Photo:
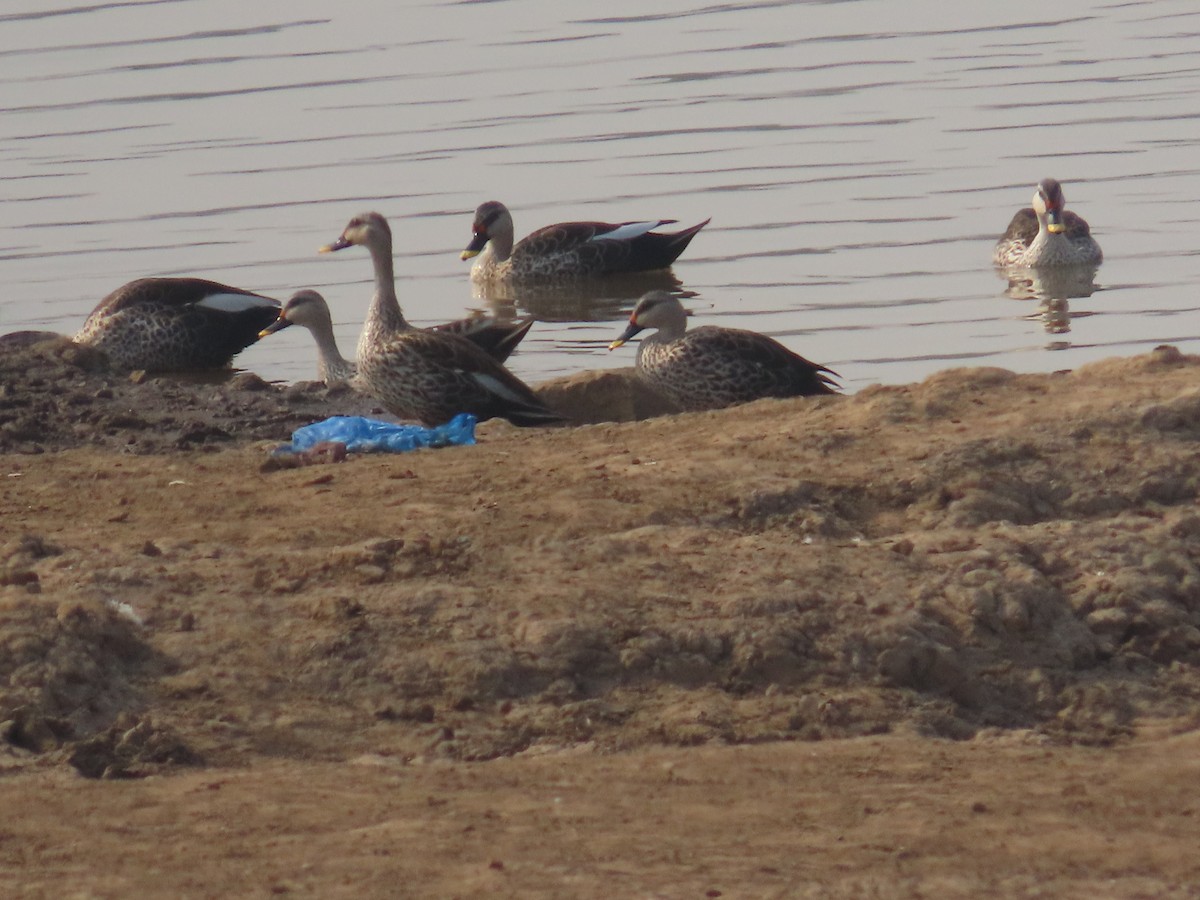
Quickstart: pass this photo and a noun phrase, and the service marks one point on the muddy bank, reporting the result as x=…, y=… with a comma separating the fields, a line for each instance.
x=981, y=551
x=990, y=559
x=55, y=395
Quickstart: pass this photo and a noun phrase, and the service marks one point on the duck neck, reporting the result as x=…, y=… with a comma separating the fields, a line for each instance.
x=656, y=346
x=486, y=263
x=384, y=317
x=329, y=356
x=496, y=252
x=672, y=328
x=1047, y=248
x=500, y=245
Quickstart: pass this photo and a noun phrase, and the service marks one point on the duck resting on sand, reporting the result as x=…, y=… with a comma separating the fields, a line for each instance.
x=371, y=230
x=1047, y=234
x=569, y=250
x=176, y=324
x=712, y=367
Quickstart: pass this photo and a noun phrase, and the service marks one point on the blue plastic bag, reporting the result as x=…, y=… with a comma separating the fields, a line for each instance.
x=362, y=435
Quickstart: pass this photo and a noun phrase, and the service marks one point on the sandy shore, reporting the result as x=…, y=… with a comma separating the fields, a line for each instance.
x=938, y=639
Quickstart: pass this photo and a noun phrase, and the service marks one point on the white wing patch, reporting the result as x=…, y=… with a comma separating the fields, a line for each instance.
x=630, y=230
x=496, y=386
x=235, y=303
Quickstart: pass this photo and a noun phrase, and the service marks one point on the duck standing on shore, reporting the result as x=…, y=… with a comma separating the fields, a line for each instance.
x=424, y=374
x=371, y=230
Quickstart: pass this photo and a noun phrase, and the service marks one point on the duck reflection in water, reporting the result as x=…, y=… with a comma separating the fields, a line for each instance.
x=1053, y=289
x=595, y=300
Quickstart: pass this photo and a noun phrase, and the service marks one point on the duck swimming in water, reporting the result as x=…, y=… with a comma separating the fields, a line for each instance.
x=711, y=367
x=1047, y=234
x=569, y=250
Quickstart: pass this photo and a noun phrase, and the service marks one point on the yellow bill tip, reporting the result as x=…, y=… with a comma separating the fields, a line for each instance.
x=619, y=342
x=1056, y=228
x=467, y=254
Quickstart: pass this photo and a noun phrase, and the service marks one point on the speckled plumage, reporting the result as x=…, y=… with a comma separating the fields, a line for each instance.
x=712, y=367
x=569, y=250
x=431, y=375
x=496, y=338
x=309, y=310
x=1047, y=234
x=176, y=324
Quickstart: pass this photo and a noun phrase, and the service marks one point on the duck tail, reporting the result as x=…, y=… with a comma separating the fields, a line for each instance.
x=495, y=338
x=657, y=251
x=500, y=339
x=680, y=239
x=534, y=417
x=827, y=381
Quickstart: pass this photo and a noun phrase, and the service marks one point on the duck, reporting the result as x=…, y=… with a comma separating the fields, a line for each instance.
x=569, y=250
x=308, y=309
x=1047, y=234
x=429, y=375
x=176, y=324
x=371, y=230
x=711, y=367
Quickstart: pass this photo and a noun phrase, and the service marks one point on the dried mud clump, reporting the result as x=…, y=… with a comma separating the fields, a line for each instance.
x=55, y=395
x=131, y=747
x=69, y=674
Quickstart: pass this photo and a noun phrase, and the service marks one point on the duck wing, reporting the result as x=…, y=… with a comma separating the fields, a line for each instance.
x=1023, y=228
x=495, y=338
x=655, y=250
x=1074, y=226
x=598, y=248
x=176, y=324
x=433, y=376
x=565, y=237
x=181, y=293
x=754, y=365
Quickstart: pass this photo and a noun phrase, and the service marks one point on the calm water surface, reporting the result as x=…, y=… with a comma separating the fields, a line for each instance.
x=858, y=159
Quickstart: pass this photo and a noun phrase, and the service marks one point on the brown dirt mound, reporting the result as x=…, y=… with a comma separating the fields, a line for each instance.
x=610, y=614
x=55, y=395
x=905, y=558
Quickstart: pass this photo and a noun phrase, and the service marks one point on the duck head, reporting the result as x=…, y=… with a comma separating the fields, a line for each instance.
x=1049, y=203
x=306, y=308
x=364, y=230
x=656, y=309
x=492, y=219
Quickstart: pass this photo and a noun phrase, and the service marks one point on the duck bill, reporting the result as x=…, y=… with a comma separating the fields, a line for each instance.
x=1054, y=221
x=478, y=242
x=278, y=325
x=340, y=244
x=629, y=332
